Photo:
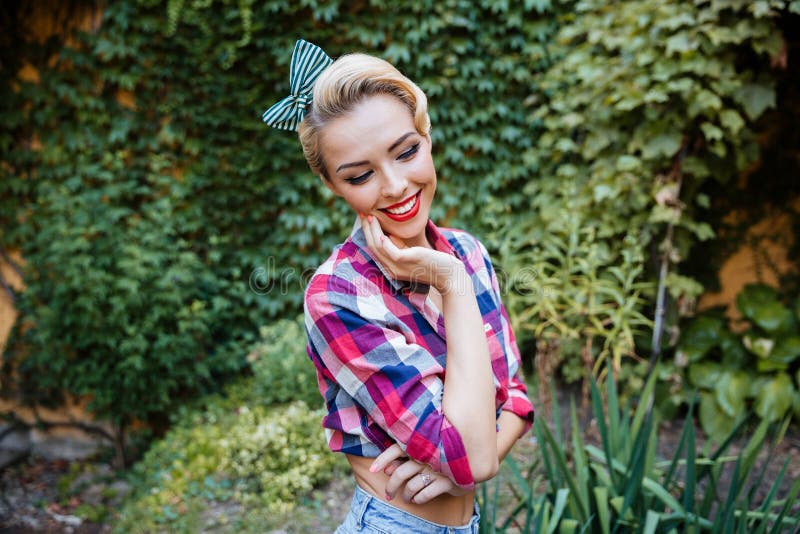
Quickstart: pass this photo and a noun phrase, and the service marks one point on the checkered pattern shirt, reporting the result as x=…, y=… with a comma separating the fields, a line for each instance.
x=379, y=349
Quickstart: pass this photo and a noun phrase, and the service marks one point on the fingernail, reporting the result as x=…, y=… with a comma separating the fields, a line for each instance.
x=369, y=218
x=383, y=237
x=372, y=468
x=360, y=214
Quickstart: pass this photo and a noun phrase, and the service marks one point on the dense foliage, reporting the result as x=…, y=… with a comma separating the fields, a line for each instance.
x=641, y=108
x=162, y=223
x=253, y=454
x=755, y=367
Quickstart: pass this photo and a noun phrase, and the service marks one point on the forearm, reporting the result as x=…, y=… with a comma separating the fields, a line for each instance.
x=468, y=399
x=511, y=427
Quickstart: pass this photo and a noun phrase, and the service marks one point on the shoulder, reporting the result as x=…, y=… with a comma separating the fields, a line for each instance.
x=346, y=274
x=466, y=244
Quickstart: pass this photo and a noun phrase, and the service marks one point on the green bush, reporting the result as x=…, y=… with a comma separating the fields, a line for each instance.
x=230, y=455
x=620, y=485
x=744, y=370
x=255, y=448
x=159, y=235
x=282, y=371
x=161, y=231
x=642, y=109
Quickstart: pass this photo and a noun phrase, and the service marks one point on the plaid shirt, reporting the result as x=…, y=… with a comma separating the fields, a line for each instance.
x=379, y=349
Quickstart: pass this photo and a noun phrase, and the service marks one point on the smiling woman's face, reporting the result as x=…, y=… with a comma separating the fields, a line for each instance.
x=381, y=166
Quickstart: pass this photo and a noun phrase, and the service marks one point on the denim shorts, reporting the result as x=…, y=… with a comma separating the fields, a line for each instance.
x=370, y=515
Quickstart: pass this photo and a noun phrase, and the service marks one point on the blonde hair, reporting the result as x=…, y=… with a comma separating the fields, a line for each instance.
x=347, y=82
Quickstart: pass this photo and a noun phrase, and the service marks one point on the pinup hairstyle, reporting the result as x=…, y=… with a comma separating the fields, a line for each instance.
x=344, y=84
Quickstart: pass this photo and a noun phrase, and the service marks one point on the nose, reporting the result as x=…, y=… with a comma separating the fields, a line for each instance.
x=395, y=184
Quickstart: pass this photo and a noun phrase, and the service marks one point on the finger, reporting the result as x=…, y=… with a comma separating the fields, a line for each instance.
x=367, y=227
x=391, y=453
x=390, y=248
x=375, y=237
x=389, y=469
x=401, y=476
x=396, y=241
x=413, y=486
x=438, y=487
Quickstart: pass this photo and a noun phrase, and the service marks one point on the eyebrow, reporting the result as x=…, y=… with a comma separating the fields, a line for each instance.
x=392, y=147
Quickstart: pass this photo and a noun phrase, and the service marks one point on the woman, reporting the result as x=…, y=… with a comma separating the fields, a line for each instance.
x=397, y=304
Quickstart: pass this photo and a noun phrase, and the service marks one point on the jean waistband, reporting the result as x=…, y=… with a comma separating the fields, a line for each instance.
x=364, y=503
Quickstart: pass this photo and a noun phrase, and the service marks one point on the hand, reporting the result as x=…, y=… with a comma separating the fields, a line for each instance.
x=418, y=482
x=417, y=264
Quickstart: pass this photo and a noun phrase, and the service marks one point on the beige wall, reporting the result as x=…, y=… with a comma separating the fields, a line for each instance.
x=769, y=238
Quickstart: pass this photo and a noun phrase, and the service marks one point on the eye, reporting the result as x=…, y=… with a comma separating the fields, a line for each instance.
x=410, y=152
x=358, y=179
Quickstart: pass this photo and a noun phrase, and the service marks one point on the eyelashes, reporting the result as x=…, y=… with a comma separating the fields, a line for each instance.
x=408, y=154
x=358, y=179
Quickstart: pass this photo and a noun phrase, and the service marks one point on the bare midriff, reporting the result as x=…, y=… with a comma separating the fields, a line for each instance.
x=445, y=509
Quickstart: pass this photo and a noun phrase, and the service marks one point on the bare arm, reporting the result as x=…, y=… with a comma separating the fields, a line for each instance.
x=468, y=398
x=511, y=427
x=402, y=471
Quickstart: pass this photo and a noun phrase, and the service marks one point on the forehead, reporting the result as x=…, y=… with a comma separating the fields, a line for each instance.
x=369, y=128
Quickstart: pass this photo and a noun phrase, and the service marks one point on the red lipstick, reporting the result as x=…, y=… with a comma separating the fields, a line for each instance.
x=410, y=213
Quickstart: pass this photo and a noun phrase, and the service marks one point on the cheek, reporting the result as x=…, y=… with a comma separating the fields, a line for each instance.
x=362, y=198
x=423, y=167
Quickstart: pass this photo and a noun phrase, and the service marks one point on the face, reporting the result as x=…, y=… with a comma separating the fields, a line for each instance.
x=381, y=166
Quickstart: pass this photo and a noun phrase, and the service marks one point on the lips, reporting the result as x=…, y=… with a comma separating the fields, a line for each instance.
x=406, y=215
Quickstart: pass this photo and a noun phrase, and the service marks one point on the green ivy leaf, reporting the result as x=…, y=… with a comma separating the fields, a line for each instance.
x=730, y=392
x=760, y=346
x=786, y=350
x=732, y=121
x=775, y=397
x=734, y=353
x=755, y=98
x=663, y=145
x=700, y=336
x=715, y=422
x=760, y=303
x=704, y=374
x=770, y=366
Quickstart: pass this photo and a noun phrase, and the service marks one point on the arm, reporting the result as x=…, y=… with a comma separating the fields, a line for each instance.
x=394, y=382
x=468, y=398
x=402, y=471
x=511, y=429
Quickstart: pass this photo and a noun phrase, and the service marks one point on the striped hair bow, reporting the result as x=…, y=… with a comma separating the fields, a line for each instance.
x=308, y=62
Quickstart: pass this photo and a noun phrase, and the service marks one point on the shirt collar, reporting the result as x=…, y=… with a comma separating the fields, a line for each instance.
x=435, y=237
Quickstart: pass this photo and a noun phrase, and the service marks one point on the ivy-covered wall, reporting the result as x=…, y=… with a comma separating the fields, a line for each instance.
x=161, y=230
x=162, y=222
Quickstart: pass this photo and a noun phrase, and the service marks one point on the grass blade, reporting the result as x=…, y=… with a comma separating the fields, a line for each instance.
x=601, y=498
x=651, y=522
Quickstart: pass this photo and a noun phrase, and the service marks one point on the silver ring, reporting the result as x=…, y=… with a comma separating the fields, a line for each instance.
x=427, y=479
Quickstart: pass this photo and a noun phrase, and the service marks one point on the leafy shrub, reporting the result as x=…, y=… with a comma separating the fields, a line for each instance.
x=640, y=110
x=580, y=299
x=281, y=368
x=162, y=222
x=742, y=369
x=250, y=457
x=620, y=484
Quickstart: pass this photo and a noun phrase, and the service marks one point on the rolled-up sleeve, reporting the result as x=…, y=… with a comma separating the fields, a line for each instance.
x=396, y=382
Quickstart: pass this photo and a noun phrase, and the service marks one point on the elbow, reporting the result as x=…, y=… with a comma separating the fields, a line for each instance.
x=486, y=469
